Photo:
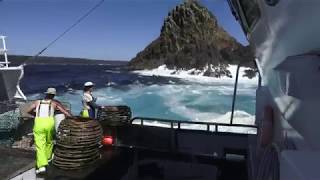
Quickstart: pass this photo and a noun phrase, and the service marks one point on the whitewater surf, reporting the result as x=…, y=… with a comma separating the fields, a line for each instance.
x=157, y=93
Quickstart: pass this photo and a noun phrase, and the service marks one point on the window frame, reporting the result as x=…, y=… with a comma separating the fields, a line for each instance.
x=237, y=7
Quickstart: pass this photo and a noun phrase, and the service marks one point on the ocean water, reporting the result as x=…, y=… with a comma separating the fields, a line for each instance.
x=157, y=93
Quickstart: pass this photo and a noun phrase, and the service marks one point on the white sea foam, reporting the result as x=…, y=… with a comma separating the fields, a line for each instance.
x=240, y=117
x=198, y=76
x=202, y=102
x=175, y=97
x=112, y=71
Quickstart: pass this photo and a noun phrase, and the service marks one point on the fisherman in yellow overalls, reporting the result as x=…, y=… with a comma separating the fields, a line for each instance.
x=43, y=128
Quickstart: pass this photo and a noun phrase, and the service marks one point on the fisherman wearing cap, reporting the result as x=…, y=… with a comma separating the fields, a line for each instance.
x=43, y=128
x=89, y=102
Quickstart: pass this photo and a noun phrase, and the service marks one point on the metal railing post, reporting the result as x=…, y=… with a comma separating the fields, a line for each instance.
x=234, y=94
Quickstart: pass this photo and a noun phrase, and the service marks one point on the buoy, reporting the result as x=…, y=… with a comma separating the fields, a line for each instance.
x=107, y=140
x=268, y=162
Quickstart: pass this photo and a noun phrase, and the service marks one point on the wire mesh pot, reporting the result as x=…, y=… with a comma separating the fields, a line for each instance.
x=114, y=115
x=77, y=143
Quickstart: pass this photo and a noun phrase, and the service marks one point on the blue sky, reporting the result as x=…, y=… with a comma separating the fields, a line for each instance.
x=117, y=30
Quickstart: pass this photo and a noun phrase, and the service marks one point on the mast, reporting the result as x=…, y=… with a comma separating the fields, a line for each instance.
x=4, y=52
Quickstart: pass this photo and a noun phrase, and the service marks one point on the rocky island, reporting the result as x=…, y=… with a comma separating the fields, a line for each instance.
x=191, y=38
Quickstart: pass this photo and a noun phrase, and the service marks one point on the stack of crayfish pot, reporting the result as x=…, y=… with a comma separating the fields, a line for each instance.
x=77, y=143
x=114, y=115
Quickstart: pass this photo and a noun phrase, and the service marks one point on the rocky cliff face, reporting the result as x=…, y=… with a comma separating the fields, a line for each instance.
x=191, y=38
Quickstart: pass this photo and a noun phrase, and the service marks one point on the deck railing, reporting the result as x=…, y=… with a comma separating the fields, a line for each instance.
x=177, y=124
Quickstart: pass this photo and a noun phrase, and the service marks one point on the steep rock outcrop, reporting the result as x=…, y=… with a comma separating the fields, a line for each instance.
x=191, y=38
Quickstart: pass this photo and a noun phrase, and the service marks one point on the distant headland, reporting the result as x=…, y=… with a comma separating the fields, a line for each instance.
x=16, y=60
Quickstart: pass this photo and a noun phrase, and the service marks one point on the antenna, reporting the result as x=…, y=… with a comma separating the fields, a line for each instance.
x=71, y=27
x=4, y=50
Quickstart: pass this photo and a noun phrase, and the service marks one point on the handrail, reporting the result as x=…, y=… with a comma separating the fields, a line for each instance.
x=179, y=122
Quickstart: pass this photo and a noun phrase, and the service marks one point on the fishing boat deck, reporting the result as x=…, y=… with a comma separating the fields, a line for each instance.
x=15, y=161
x=142, y=152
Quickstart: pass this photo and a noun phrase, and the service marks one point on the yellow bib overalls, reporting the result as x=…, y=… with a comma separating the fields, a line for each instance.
x=43, y=130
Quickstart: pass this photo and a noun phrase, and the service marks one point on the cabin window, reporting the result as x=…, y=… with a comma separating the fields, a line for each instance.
x=272, y=2
x=247, y=12
x=251, y=12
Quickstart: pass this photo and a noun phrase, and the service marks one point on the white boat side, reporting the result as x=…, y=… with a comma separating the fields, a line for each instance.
x=288, y=29
x=10, y=77
x=284, y=36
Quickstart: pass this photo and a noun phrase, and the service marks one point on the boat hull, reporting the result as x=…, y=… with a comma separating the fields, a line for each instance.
x=9, y=83
x=282, y=34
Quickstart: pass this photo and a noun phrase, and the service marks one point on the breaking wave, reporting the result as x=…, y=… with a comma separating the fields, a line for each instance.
x=198, y=76
x=159, y=94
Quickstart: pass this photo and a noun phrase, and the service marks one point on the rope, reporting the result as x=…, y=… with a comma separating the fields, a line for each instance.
x=68, y=29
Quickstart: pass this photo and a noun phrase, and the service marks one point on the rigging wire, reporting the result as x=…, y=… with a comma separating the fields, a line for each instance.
x=68, y=29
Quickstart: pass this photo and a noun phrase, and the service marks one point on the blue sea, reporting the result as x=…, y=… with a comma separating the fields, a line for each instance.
x=169, y=97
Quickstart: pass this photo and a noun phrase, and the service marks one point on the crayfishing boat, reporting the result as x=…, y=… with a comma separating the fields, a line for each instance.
x=282, y=144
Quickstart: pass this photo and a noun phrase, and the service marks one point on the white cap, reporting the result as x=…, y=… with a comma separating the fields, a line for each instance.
x=88, y=84
x=52, y=91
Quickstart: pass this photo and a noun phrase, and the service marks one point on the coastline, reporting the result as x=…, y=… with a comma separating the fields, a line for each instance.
x=16, y=60
x=198, y=76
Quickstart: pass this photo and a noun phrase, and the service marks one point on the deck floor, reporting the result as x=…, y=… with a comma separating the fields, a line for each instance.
x=15, y=162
